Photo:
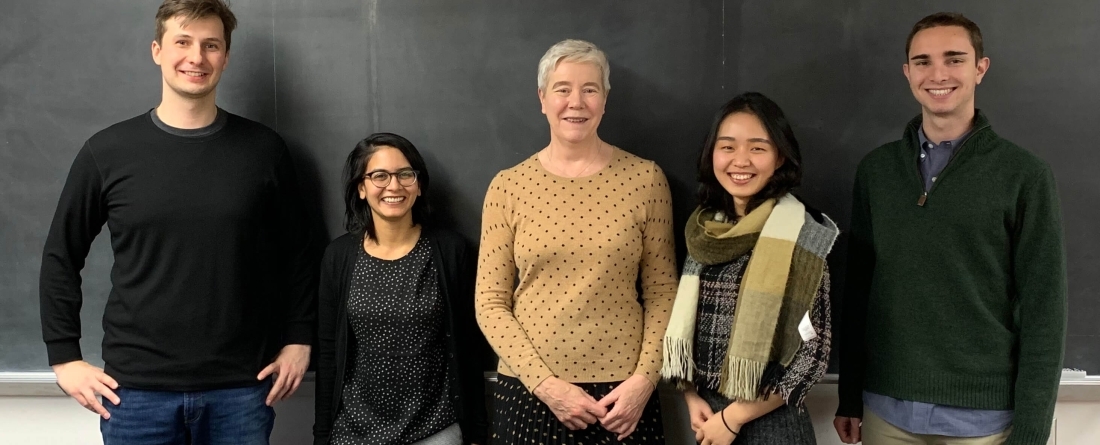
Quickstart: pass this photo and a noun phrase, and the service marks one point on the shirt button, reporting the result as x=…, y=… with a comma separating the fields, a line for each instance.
x=922, y=155
x=933, y=179
x=929, y=145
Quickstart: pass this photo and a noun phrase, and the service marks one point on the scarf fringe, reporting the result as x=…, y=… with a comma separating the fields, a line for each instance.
x=741, y=378
x=770, y=381
x=678, y=363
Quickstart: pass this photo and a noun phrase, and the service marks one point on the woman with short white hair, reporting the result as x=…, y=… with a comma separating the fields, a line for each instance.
x=569, y=237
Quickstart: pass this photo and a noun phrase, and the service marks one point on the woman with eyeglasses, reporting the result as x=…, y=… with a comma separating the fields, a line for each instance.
x=395, y=302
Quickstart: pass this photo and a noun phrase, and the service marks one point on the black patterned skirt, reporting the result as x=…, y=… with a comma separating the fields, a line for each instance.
x=519, y=417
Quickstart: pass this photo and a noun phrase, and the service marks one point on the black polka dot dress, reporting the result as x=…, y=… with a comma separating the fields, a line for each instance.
x=396, y=391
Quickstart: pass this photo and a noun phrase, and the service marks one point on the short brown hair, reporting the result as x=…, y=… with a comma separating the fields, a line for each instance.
x=194, y=10
x=949, y=19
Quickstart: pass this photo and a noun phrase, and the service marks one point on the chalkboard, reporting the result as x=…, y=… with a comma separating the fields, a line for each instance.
x=457, y=78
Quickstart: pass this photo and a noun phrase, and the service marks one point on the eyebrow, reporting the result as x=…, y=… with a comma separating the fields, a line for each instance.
x=566, y=83
x=950, y=53
x=760, y=140
x=387, y=171
x=184, y=35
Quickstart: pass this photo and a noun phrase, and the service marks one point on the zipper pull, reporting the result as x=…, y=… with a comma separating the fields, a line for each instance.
x=923, y=199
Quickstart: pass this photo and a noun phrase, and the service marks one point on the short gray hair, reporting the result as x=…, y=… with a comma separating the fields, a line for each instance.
x=578, y=51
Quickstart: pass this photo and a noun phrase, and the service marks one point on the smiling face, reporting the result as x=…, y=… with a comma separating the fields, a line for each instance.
x=191, y=56
x=744, y=157
x=943, y=71
x=573, y=102
x=393, y=202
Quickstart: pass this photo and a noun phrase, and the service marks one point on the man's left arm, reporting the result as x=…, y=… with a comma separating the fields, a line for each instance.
x=298, y=311
x=1039, y=274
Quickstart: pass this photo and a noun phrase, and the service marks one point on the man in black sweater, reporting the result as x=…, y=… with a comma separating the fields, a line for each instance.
x=211, y=312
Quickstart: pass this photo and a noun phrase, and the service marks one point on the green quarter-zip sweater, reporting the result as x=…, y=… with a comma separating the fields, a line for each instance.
x=956, y=296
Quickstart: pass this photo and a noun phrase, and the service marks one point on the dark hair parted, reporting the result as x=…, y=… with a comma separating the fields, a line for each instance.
x=786, y=178
x=194, y=10
x=357, y=212
x=949, y=19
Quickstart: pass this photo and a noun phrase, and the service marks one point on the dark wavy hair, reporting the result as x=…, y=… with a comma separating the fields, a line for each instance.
x=357, y=213
x=785, y=179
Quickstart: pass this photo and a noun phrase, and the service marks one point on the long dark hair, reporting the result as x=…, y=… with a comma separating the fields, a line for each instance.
x=785, y=179
x=357, y=213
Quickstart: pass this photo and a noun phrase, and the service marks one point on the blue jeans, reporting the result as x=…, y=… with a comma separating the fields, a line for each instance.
x=236, y=416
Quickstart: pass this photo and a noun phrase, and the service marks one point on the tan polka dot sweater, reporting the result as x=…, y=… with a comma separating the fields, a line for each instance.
x=558, y=267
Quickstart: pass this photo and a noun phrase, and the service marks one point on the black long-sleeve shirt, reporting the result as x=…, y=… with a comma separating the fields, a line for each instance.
x=212, y=272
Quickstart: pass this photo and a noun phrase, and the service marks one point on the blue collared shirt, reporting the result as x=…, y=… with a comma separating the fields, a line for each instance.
x=934, y=157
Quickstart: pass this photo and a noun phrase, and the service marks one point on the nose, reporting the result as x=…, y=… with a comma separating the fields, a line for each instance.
x=575, y=101
x=741, y=158
x=939, y=73
x=194, y=54
x=393, y=185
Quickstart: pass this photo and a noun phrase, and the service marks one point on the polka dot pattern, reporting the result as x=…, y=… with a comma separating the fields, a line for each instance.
x=396, y=390
x=521, y=418
x=560, y=261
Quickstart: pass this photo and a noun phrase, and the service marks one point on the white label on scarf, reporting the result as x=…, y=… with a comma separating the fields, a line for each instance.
x=806, y=329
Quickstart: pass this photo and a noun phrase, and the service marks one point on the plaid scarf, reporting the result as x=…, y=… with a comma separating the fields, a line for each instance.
x=788, y=259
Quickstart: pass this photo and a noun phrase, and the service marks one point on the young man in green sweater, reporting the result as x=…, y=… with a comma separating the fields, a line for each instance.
x=955, y=310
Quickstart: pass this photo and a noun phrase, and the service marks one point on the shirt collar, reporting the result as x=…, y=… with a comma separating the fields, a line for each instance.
x=954, y=142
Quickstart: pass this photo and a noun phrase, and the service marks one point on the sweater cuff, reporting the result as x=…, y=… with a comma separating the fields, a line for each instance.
x=1026, y=434
x=63, y=351
x=534, y=378
x=653, y=375
x=299, y=334
x=850, y=409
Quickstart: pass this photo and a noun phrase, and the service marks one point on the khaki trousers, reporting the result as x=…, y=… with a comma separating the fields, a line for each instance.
x=876, y=431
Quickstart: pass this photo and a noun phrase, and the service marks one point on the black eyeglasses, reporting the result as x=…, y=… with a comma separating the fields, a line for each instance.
x=381, y=178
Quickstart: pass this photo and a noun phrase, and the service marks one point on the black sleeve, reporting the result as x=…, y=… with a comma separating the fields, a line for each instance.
x=80, y=215
x=300, y=267
x=476, y=354
x=327, y=302
x=861, y=266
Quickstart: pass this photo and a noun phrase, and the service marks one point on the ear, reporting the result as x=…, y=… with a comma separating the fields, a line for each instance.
x=542, y=99
x=905, y=70
x=983, y=66
x=155, y=49
x=363, y=189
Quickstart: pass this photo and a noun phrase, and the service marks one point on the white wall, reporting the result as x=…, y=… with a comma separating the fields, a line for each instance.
x=56, y=420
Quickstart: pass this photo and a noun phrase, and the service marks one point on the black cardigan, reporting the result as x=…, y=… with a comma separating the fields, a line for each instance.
x=456, y=287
